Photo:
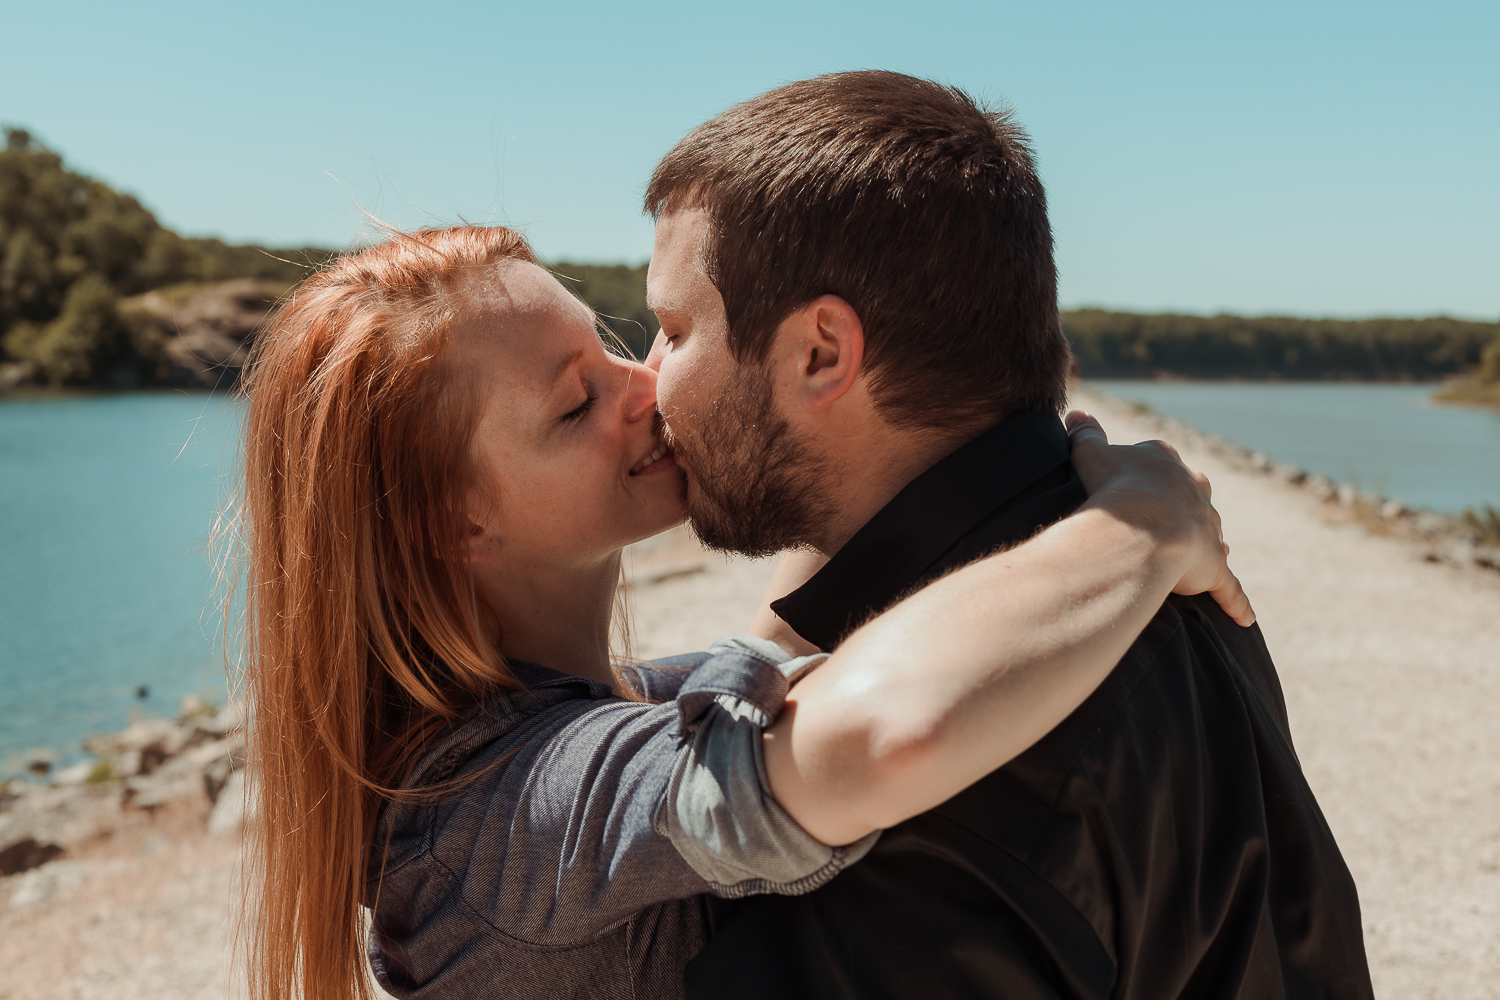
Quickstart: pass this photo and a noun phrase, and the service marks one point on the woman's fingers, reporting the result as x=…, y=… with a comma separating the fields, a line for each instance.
x=1165, y=446
x=1210, y=574
x=1084, y=429
x=1093, y=458
x=1079, y=419
x=1231, y=596
x=1097, y=463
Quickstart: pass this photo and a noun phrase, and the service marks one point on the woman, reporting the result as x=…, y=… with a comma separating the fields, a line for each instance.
x=442, y=467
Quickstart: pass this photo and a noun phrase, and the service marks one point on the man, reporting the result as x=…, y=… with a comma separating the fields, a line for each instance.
x=860, y=354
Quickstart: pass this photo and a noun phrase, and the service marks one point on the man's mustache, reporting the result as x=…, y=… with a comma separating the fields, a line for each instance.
x=662, y=431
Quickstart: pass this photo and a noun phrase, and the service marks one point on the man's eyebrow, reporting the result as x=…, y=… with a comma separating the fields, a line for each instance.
x=656, y=305
x=562, y=368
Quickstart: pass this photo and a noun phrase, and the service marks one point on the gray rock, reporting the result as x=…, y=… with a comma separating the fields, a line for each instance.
x=140, y=748
x=25, y=854
x=40, y=760
x=40, y=886
x=1321, y=487
x=1288, y=473
x=192, y=708
x=230, y=719
x=205, y=329
x=234, y=808
x=217, y=774
x=182, y=776
x=75, y=775
x=1427, y=523
x=60, y=815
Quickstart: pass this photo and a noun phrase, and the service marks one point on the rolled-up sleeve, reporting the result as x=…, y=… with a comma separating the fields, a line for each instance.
x=718, y=810
x=592, y=810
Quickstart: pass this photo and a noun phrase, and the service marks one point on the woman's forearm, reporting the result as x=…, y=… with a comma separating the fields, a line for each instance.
x=962, y=676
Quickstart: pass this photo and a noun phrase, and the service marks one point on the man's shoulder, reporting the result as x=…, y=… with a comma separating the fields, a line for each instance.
x=1164, y=794
x=1194, y=684
x=1193, y=700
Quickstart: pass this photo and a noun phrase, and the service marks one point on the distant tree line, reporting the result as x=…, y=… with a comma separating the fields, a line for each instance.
x=617, y=293
x=71, y=247
x=1482, y=388
x=1133, y=345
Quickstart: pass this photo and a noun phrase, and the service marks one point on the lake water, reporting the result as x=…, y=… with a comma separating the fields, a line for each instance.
x=106, y=502
x=105, y=583
x=1388, y=438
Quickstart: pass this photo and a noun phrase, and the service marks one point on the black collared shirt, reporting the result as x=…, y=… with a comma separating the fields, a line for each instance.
x=1160, y=842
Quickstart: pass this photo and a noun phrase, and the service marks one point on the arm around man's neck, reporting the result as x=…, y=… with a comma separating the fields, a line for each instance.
x=964, y=675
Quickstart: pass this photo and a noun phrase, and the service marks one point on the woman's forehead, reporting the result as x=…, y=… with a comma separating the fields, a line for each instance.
x=520, y=322
x=517, y=286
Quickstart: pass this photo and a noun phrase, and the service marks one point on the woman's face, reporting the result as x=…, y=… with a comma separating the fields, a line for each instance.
x=567, y=443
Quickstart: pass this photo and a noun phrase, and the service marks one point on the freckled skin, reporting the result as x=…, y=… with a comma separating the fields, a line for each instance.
x=564, y=428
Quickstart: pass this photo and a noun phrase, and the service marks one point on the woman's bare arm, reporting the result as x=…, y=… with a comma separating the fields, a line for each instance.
x=961, y=677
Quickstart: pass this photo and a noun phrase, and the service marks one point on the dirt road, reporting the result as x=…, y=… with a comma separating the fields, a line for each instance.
x=1391, y=667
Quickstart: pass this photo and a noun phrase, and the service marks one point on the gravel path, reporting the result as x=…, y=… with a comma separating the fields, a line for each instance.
x=1391, y=667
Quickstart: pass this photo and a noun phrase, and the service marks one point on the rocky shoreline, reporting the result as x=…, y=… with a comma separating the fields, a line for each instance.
x=1442, y=538
x=195, y=760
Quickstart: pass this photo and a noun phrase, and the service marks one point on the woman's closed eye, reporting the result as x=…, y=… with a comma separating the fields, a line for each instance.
x=581, y=411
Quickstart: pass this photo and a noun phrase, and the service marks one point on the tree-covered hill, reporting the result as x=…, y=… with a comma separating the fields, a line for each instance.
x=71, y=247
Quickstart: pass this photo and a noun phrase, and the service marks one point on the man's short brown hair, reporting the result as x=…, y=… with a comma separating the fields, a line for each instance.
x=904, y=197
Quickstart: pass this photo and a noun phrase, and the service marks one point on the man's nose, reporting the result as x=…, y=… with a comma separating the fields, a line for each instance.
x=640, y=392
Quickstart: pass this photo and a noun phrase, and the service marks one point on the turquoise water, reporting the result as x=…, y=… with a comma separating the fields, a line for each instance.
x=1387, y=438
x=106, y=503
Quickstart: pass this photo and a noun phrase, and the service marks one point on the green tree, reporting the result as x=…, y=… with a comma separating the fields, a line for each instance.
x=70, y=244
x=1489, y=364
x=617, y=293
x=88, y=343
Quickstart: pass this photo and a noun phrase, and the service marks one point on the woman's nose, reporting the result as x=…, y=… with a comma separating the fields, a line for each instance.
x=640, y=392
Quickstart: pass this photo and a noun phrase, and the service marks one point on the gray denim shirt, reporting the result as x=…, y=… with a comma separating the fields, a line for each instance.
x=572, y=859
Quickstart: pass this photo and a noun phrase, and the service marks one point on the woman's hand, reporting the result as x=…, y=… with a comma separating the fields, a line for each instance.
x=966, y=673
x=1147, y=485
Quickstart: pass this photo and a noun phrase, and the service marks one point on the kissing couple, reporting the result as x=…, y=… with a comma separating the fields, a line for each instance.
x=1003, y=728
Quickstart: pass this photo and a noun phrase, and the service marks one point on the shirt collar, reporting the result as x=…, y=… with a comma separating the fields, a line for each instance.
x=908, y=536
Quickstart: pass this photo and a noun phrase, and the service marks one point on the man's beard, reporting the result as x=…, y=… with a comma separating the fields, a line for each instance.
x=761, y=488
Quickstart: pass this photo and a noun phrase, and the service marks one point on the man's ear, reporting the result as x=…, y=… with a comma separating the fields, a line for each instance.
x=828, y=341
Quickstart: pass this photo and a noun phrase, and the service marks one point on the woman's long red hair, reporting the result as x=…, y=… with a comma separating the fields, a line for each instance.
x=365, y=636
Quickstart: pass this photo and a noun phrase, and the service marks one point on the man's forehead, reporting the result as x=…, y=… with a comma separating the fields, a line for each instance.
x=676, y=258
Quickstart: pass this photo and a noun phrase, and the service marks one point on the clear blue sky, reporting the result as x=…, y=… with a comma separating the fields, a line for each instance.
x=1308, y=158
